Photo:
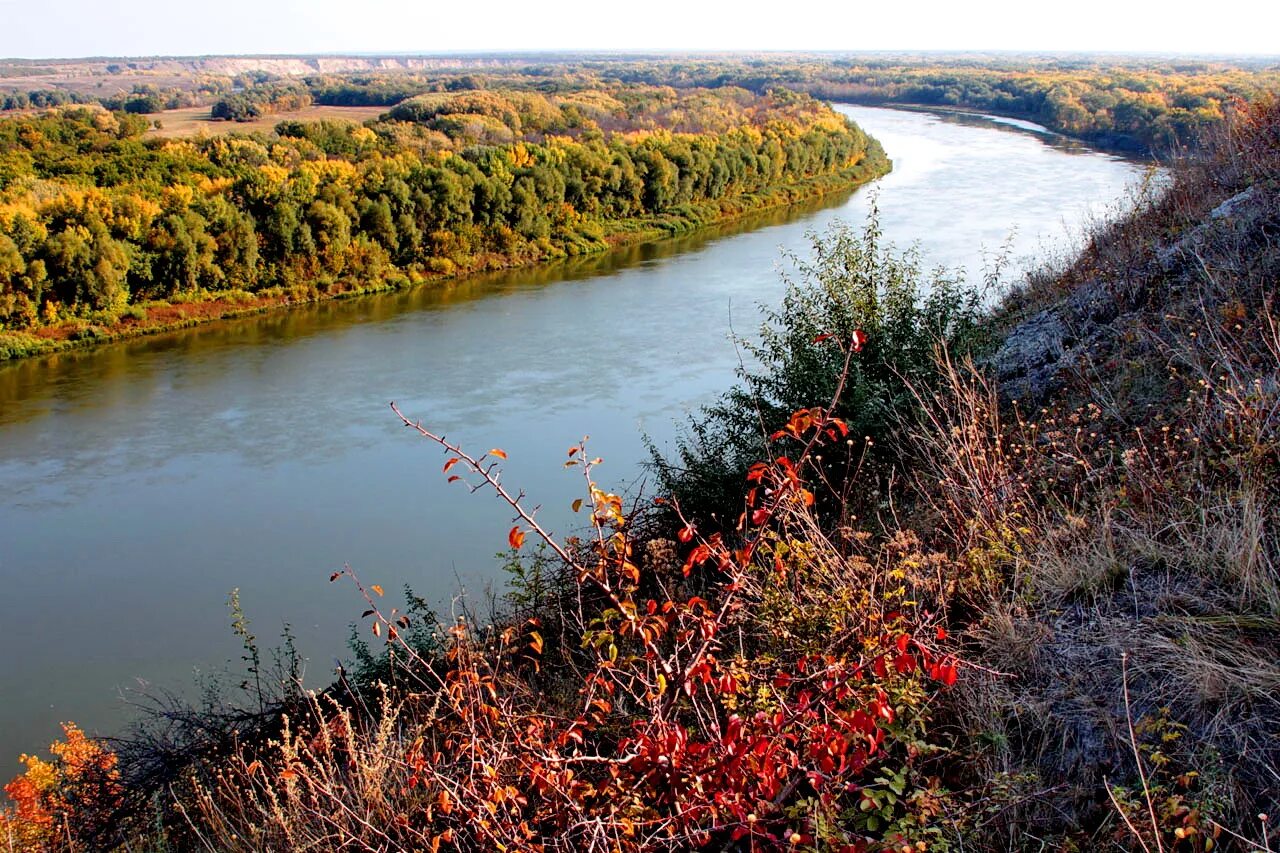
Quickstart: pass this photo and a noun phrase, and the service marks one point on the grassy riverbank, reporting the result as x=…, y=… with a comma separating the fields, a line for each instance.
x=936, y=578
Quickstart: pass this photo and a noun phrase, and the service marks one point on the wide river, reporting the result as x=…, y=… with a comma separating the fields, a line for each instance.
x=141, y=482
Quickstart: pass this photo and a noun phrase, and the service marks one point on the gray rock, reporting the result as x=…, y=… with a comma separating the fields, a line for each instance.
x=1234, y=207
x=1026, y=362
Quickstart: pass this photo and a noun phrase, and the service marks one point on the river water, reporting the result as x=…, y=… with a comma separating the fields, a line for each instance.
x=143, y=481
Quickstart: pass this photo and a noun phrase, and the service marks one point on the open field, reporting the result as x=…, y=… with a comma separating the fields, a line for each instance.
x=191, y=121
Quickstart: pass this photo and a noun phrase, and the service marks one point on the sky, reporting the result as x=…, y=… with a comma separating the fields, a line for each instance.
x=75, y=28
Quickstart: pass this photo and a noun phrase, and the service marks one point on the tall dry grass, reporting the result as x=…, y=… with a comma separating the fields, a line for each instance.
x=1134, y=518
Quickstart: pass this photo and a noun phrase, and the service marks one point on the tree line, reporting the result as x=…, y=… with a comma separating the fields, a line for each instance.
x=95, y=218
x=1140, y=105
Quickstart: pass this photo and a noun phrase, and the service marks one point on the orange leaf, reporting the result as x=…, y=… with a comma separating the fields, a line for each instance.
x=501, y=454
x=376, y=588
x=516, y=537
x=452, y=461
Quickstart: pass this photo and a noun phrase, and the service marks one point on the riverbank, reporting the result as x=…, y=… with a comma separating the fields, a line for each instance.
x=190, y=310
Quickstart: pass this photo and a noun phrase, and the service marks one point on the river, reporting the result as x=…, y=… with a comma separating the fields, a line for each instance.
x=143, y=481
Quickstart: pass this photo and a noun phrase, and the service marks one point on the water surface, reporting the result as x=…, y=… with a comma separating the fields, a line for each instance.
x=141, y=482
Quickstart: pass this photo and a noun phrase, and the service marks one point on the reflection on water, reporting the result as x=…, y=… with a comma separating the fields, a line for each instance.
x=142, y=481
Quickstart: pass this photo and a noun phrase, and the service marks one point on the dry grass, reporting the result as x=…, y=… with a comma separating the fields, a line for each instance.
x=195, y=121
x=336, y=786
x=1138, y=516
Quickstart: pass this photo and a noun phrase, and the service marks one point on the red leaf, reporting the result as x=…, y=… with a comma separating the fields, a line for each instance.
x=942, y=633
x=516, y=537
x=759, y=517
x=820, y=338
x=686, y=533
x=453, y=461
x=944, y=672
x=453, y=477
x=859, y=340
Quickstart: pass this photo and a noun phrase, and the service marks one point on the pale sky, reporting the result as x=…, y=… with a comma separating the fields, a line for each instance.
x=75, y=28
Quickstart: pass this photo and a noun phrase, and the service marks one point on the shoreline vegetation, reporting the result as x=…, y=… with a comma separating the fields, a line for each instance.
x=200, y=308
x=105, y=234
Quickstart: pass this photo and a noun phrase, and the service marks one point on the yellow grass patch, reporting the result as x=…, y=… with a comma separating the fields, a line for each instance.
x=193, y=121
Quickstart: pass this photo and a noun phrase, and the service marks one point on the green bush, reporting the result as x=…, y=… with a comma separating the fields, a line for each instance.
x=854, y=282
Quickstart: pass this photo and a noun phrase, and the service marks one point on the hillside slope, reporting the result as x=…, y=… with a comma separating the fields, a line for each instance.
x=1133, y=470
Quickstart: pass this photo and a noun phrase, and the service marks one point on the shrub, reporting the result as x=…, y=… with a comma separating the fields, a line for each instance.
x=854, y=282
x=69, y=799
x=772, y=695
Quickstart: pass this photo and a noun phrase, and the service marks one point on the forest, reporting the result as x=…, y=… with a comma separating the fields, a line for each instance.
x=100, y=224
x=1135, y=105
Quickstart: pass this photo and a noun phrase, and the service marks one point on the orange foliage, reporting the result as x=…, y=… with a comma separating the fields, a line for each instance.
x=54, y=794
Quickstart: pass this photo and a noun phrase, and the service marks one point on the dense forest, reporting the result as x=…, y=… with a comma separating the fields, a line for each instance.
x=1132, y=105
x=98, y=224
